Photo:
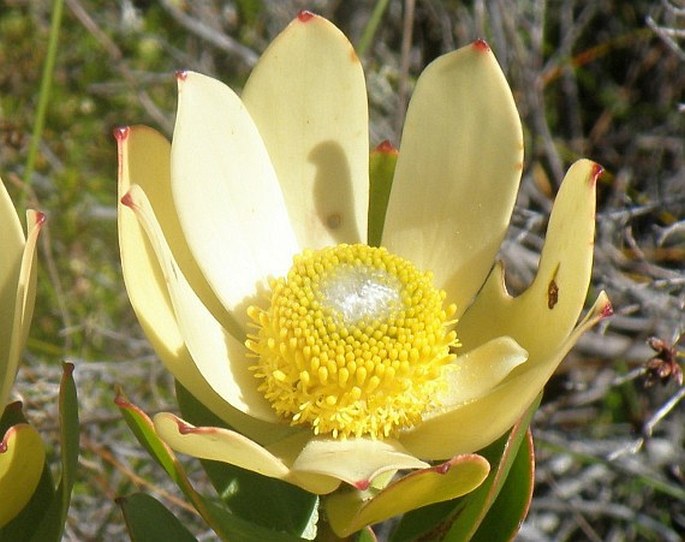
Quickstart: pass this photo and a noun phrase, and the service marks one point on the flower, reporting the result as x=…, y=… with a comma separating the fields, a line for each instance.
x=247, y=265
x=21, y=450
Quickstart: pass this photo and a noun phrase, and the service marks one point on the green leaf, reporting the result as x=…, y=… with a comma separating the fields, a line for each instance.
x=12, y=415
x=258, y=499
x=141, y=426
x=458, y=520
x=148, y=520
x=506, y=515
x=42, y=520
x=381, y=171
x=367, y=535
x=52, y=525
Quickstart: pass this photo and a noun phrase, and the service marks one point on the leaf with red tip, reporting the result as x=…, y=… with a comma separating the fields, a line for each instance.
x=381, y=171
x=459, y=519
x=52, y=524
x=225, y=524
x=350, y=511
x=266, y=501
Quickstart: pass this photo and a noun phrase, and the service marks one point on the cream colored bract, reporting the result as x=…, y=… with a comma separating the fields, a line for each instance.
x=22, y=453
x=250, y=182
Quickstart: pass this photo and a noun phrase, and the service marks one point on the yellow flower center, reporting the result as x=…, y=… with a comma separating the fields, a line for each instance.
x=353, y=342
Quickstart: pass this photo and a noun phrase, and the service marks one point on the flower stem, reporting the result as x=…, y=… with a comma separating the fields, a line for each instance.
x=44, y=95
x=371, y=27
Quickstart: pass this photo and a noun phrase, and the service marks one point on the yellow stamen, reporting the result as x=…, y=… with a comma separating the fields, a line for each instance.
x=353, y=342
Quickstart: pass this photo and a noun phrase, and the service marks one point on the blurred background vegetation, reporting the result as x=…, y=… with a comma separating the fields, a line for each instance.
x=602, y=79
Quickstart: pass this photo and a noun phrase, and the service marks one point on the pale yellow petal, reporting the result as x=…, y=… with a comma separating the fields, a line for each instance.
x=219, y=357
x=22, y=456
x=228, y=200
x=145, y=159
x=543, y=316
x=350, y=511
x=540, y=320
x=476, y=373
x=457, y=173
x=230, y=447
x=17, y=289
x=12, y=241
x=356, y=461
x=307, y=97
x=143, y=154
x=478, y=423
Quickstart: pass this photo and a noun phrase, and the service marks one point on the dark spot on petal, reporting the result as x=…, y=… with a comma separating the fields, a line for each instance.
x=553, y=290
x=552, y=294
x=597, y=171
x=333, y=221
x=40, y=218
x=181, y=75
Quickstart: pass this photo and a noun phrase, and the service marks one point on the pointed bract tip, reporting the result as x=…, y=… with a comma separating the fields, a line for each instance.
x=305, y=16
x=181, y=75
x=443, y=468
x=67, y=368
x=607, y=310
x=121, y=133
x=121, y=401
x=40, y=218
x=386, y=147
x=481, y=45
x=597, y=171
x=362, y=485
x=184, y=428
x=127, y=199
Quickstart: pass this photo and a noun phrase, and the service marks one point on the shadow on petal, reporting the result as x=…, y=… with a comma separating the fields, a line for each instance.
x=334, y=197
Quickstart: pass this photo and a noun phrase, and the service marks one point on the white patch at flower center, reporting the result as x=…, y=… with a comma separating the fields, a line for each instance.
x=361, y=293
x=353, y=343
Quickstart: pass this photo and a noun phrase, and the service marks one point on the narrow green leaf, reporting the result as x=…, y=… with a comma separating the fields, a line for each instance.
x=381, y=171
x=148, y=520
x=52, y=524
x=506, y=515
x=371, y=27
x=367, y=535
x=141, y=426
x=258, y=499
